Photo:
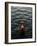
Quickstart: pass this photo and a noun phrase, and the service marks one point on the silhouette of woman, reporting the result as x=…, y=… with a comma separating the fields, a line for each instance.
x=22, y=29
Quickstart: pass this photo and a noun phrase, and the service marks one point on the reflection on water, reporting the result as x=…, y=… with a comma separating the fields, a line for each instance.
x=19, y=14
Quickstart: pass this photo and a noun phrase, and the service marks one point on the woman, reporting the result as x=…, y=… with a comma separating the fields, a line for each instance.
x=22, y=29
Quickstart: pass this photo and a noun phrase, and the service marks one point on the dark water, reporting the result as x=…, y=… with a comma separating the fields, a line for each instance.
x=18, y=14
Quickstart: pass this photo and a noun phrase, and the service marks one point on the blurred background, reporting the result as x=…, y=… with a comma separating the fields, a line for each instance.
x=21, y=17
